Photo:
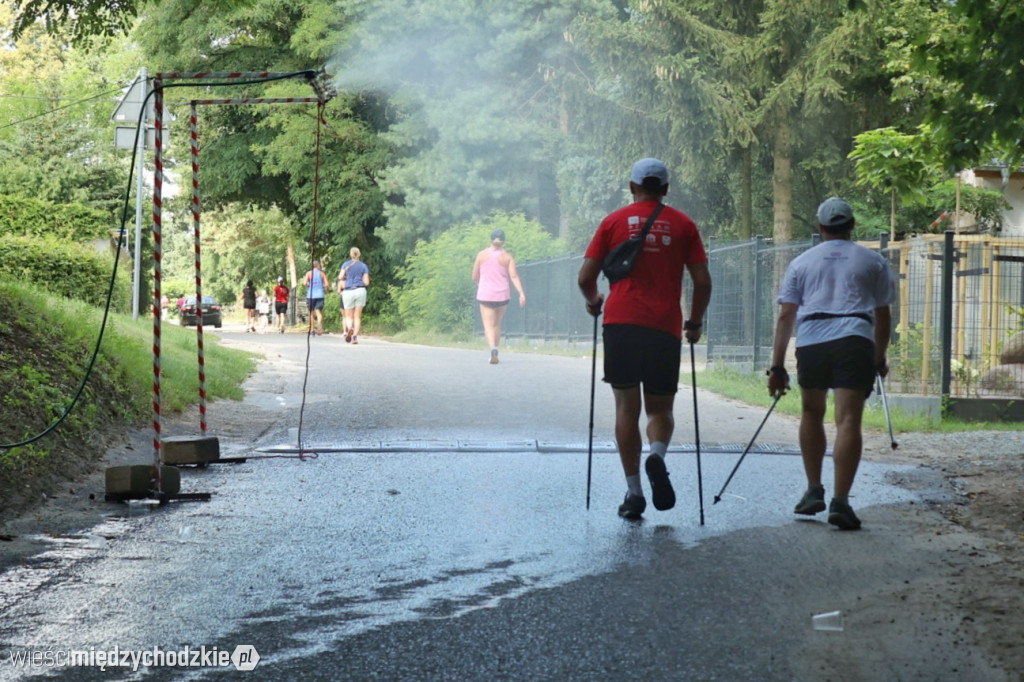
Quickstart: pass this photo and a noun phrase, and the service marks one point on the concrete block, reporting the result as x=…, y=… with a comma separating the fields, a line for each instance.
x=135, y=481
x=179, y=450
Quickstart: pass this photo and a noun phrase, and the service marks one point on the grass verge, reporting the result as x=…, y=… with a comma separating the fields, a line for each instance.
x=753, y=389
x=46, y=347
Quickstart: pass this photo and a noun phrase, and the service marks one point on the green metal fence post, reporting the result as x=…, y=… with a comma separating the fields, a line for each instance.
x=948, y=261
x=758, y=276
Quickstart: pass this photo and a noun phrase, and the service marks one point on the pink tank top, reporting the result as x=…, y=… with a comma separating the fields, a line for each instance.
x=493, y=279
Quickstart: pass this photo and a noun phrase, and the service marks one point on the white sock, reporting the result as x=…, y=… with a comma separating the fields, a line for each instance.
x=633, y=483
x=660, y=449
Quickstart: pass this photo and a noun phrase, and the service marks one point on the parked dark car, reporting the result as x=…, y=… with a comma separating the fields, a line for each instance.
x=211, y=312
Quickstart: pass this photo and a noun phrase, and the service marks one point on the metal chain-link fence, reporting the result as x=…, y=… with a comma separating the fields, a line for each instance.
x=956, y=320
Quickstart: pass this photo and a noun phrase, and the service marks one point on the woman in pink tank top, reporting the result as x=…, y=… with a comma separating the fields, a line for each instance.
x=493, y=269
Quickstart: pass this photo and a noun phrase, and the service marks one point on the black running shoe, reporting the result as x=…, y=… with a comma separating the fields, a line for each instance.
x=841, y=515
x=661, y=488
x=632, y=507
x=812, y=502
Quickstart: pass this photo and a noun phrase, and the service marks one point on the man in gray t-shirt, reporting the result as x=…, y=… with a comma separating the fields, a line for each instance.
x=837, y=295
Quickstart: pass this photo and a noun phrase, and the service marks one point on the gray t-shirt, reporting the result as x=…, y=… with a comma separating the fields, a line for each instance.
x=837, y=277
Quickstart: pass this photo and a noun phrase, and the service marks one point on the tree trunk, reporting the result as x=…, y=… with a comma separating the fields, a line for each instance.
x=892, y=216
x=747, y=194
x=563, y=128
x=291, y=267
x=782, y=183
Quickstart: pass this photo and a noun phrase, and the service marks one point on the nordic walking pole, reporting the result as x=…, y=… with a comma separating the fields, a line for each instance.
x=590, y=441
x=885, y=406
x=696, y=432
x=718, y=497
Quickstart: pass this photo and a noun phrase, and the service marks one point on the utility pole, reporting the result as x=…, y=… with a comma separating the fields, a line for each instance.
x=140, y=186
x=130, y=110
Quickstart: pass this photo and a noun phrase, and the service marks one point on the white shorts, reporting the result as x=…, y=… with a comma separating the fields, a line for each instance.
x=353, y=298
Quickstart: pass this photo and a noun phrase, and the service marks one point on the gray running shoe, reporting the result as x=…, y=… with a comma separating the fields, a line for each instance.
x=632, y=507
x=841, y=515
x=812, y=502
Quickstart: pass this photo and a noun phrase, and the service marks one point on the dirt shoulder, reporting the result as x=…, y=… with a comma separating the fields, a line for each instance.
x=980, y=481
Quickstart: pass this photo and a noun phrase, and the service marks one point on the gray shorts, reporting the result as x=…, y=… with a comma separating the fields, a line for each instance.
x=353, y=298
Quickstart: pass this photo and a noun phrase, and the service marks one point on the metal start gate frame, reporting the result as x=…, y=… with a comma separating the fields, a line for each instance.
x=158, y=80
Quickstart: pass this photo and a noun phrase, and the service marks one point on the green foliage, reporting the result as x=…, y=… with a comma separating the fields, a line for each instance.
x=750, y=387
x=754, y=103
x=872, y=219
x=1017, y=315
x=890, y=160
x=450, y=111
x=55, y=129
x=970, y=54
x=481, y=117
x=84, y=19
x=901, y=165
x=239, y=243
x=65, y=269
x=265, y=157
x=31, y=217
x=906, y=357
x=986, y=205
x=436, y=290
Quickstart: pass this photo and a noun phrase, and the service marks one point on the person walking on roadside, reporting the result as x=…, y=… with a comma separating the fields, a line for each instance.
x=353, y=278
x=493, y=269
x=837, y=296
x=281, y=293
x=263, y=308
x=643, y=325
x=249, y=304
x=317, y=285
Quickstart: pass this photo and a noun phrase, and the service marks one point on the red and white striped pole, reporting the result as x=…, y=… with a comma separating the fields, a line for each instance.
x=158, y=178
x=194, y=134
x=258, y=100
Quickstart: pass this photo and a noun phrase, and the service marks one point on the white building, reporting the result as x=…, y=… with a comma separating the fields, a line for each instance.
x=1010, y=184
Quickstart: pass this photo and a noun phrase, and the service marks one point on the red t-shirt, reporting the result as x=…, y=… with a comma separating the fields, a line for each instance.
x=281, y=294
x=651, y=296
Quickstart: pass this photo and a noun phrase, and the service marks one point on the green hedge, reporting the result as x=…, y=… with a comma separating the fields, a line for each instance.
x=32, y=217
x=66, y=269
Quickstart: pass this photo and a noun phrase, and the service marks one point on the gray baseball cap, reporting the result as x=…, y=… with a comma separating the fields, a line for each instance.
x=833, y=212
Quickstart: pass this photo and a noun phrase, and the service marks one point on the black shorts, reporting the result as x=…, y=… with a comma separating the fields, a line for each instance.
x=636, y=355
x=848, y=362
x=493, y=304
x=280, y=307
x=315, y=304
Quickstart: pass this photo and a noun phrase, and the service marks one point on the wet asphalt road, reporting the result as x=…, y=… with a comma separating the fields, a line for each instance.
x=441, y=534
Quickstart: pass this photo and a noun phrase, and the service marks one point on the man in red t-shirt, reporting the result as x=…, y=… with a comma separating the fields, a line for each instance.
x=281, y=293
x=643, y=325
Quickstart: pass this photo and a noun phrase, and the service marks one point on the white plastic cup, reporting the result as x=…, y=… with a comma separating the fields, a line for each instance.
x=830, y=621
